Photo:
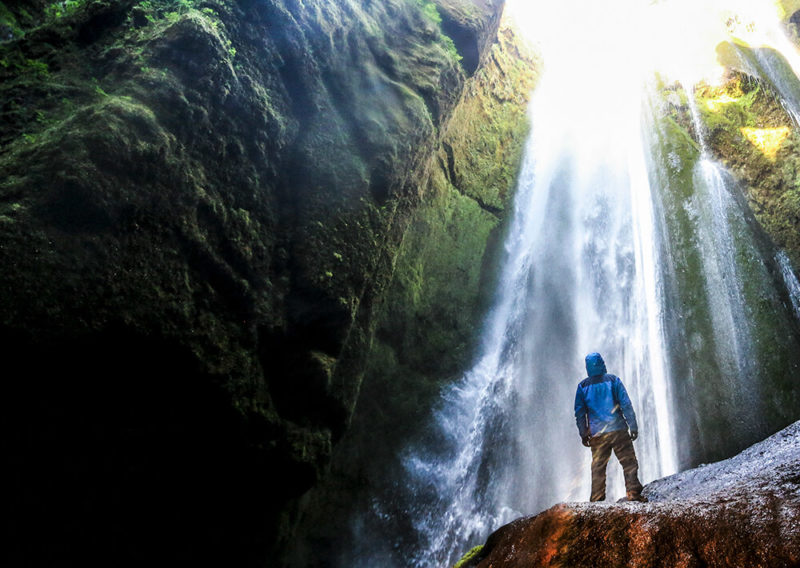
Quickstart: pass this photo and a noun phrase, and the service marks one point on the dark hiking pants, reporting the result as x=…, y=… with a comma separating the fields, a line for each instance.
x=620, y=442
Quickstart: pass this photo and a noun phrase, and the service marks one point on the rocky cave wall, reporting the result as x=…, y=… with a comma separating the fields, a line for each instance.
x=201, y=205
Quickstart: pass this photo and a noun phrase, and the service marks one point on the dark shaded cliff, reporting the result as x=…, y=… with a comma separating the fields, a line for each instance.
x=201, y=205
x=431, y=314
x=744, y=511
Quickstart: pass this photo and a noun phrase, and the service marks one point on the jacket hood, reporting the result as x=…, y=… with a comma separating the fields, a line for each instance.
x=595, y=364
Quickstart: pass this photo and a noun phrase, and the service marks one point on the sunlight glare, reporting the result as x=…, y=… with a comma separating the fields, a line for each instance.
x=676, y=38
x=716, y=104
x=768, y=140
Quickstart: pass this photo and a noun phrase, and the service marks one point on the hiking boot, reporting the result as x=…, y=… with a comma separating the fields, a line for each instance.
x=639, y=498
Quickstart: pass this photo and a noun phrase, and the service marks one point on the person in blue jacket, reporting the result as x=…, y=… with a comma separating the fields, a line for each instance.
x=604, y=415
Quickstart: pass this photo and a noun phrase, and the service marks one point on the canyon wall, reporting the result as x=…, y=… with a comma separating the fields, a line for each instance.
x=202, y=207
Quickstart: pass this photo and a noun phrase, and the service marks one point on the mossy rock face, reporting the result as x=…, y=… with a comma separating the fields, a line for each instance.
x=18, y=17
x=787, y=8
x=753, y=135
x=444, y=276
x=471, y=558
x=465, y=22
x=757, y=140
x=725, y=403
x=430, y=317
x=444, y=268
x=228, y=179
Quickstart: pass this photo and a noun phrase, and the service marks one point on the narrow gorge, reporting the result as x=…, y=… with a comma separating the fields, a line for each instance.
x=309, y=283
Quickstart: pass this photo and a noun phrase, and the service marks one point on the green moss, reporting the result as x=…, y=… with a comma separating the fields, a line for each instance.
x=431, y=13
x=250, y=214
x=444, y=267
x=787, y=8
x=486, y=136
x=9, y=21
x=769, y=177
x=730, y=107
x=170, y=8
x=35, y=67
x=64, y=8
x=693, y=357
x=469, y=556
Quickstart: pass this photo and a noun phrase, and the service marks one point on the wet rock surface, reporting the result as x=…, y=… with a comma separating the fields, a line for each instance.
x=744, y=511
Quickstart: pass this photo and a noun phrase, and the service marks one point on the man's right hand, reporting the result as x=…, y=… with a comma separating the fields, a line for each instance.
x=585, y=441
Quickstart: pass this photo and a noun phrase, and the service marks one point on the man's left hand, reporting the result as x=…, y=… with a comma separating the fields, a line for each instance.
x=634, y=434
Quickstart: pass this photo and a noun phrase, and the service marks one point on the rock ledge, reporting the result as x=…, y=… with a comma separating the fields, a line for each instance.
x=744, y=511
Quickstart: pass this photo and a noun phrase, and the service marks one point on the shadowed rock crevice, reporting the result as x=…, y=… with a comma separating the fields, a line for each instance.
x=120, y=446
x=466, y=43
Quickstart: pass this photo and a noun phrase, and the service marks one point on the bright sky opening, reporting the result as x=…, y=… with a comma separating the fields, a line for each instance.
x=677, y=38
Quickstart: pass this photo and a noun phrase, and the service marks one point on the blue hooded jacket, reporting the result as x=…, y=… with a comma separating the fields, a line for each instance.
x=601, y=401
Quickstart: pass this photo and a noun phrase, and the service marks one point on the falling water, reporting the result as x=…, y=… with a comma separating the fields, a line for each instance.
x=719, y=220
x=581, y=274
x=764, y=51
x=790, y=280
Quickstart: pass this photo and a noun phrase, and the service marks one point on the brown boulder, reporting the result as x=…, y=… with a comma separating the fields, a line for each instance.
x=744, y=511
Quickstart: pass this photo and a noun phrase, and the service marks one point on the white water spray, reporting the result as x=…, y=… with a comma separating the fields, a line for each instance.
x=581, y=274
x=717, y=217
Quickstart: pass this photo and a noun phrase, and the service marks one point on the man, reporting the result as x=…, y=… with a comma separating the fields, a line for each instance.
x=604, y=414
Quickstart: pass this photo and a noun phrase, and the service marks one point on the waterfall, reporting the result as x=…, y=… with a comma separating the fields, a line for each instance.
x=581, y=274
x=719, y=220
x=753, y=29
